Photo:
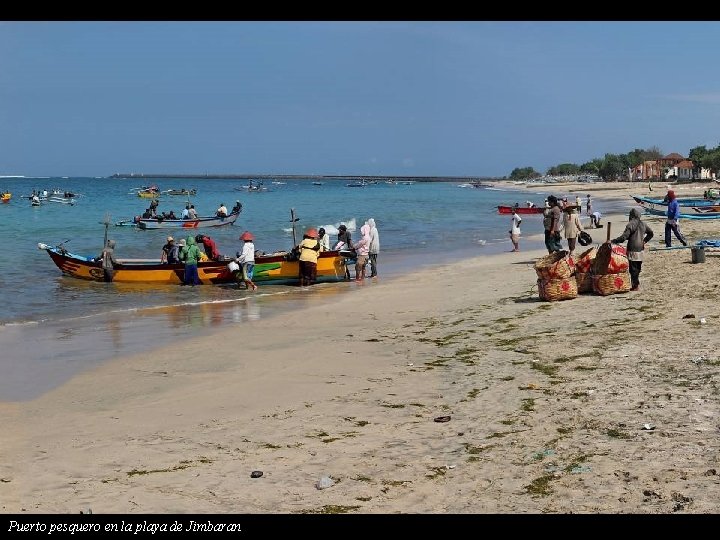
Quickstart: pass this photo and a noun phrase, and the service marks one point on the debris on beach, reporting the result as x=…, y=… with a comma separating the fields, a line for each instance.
x=648, y=427
x=256, y=474
x=442, y=419
x=324, y=482
x=689, y=316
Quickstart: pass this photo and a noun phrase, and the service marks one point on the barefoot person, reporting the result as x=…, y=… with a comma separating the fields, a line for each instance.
x=637, y=233
x=515, y=230
x=246, y=259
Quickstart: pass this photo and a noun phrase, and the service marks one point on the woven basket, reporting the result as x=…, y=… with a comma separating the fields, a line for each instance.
x=611, y=283
x=610, y=260
x=584, y=282
x=584, y=263
x=557, y=289
x=557, y=265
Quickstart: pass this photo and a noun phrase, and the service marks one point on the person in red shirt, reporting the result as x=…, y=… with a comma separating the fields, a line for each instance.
x=210, y=248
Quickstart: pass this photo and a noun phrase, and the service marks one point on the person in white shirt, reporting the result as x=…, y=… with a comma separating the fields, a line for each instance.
x=324, y=240
x=222, y=211
x=246, y=259
x=515, y=231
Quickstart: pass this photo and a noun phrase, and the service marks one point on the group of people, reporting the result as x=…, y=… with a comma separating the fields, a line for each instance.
x=188, y=251
x=365, y=251
x=188, y=212
x=637, y=233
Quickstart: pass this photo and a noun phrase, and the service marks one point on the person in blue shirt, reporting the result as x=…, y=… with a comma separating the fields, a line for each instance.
x=672, y=224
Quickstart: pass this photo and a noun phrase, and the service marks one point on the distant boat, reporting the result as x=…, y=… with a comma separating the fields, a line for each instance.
x=520, y=209
x=199, y=223
x=361, y=183
x=280, y=183
x=317, y=183
x=180, y=191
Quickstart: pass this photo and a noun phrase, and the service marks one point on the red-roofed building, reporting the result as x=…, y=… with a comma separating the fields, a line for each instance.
x=682, y=170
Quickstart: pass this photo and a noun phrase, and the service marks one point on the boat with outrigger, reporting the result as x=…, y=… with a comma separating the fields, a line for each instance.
x=280, y=267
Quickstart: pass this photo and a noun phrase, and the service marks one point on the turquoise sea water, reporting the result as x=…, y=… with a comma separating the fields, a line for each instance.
x=52, y=326
x=431, y=219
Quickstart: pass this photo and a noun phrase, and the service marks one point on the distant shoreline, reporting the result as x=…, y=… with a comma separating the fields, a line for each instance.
x=304, y=177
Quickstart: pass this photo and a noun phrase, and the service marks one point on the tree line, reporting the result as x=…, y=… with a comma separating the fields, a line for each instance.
x=614, y=167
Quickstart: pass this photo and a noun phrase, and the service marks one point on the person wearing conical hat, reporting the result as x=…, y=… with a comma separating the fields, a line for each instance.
x=246, y=260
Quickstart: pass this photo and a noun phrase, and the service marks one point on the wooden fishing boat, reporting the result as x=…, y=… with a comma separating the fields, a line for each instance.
x=5, y=197
x=280, y=268
x=179, y=192
x=520, y=209
x=691, y=203
x=663, y=212
x=199, y=223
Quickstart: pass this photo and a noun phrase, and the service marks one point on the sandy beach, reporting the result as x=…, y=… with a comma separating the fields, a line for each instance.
x=591, y=405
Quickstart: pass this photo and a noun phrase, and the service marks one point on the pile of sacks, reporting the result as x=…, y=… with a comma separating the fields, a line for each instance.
x=602, y=271
x=610, y=270
x=556, y=277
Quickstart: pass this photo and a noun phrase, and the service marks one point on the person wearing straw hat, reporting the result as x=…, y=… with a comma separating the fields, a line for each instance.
x=246, y=260
x=309, y=253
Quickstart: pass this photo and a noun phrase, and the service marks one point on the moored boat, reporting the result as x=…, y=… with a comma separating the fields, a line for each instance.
x=689, y=202
x=198, y=223
x=663, y=212
x=520, y=209
x=179, y=192
x=281, y=268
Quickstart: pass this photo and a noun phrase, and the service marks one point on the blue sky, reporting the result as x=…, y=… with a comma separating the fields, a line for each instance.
x=349, y=97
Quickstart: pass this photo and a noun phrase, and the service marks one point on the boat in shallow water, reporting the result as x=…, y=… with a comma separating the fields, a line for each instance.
x=277, y=268
x=198, y=223
x=520, y=209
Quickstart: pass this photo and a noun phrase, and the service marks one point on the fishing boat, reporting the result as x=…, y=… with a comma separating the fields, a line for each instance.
x=252, y=187
x=152, y=192
x=317, y=183
x=5, y=196
x=520, y=209
x=690, y=203
x=663, y=212
x=278, y=268
x=197, y=223
x=179, y=192
x=61, y=199
x=361, y=183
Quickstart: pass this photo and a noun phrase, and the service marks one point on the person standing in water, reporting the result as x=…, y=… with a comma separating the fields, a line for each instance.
x=374, y=247
x=515, y=230
x=108, y=261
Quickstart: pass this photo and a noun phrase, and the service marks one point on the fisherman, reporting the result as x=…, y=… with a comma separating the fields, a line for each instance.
x=638, y=234
x=107, y=256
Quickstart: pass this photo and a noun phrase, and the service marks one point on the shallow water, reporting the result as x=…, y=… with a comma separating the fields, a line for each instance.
x=53, y=326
